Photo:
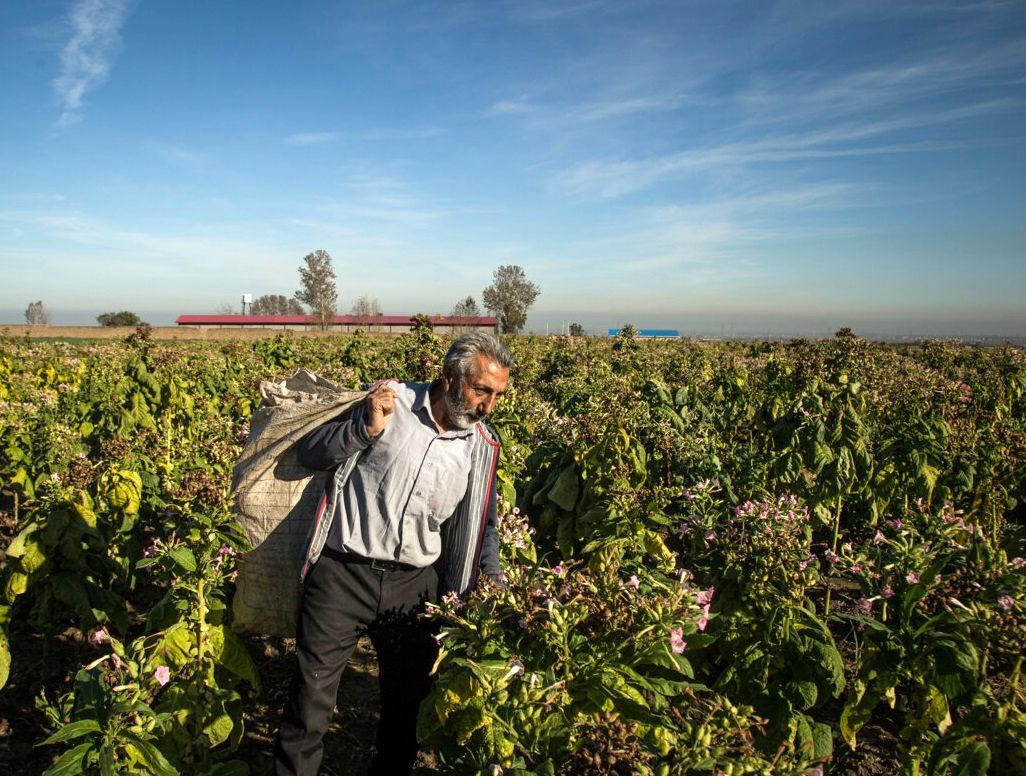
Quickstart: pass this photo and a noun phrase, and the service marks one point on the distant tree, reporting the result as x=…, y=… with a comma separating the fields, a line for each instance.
x=626, y=338
x=844, y=332
x=36, y=314
x=466, y=308
x=509, y=297
x=224, y=308
x=576, y=330
x=276, y=304
x=318, y=291
x=366, y=307
x=123, y=318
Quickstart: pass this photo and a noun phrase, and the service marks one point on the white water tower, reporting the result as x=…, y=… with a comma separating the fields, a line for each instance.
x=247, y=300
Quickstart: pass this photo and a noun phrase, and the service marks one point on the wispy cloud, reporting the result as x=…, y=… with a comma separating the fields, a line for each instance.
x=79, y=228
x=615, y=178
x=380, y=134
x=511, y=106
x=87, y=56
x=548, y=11
x=380, y=198
x=313, y=138
x=181, y=155
x=945, y=73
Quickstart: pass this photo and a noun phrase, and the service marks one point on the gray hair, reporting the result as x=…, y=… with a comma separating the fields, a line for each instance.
x=467, y=347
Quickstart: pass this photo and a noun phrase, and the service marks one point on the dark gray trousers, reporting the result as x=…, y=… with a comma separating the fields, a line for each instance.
x=341, y=601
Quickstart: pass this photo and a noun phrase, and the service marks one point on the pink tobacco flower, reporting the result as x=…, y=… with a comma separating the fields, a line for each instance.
x=99, y=636
x=866, y=605
x=1019, y=562
x=634, y=581
x=1006, y=602
x=705, y=596
x=856, y=568
x=677, y=643
x=162, y=675
x=831, y=556
x=559, y=570
x=878, y=537
x=153, y=548
x=703, y=619
x=912, y=577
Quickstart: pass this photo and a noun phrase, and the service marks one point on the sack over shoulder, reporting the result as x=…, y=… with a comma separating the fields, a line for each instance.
x=276, y=498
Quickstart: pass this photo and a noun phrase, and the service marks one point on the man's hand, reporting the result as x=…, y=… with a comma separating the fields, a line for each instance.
x=378, y=408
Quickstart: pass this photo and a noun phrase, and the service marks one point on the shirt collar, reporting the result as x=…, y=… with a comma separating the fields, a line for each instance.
x=422, y=403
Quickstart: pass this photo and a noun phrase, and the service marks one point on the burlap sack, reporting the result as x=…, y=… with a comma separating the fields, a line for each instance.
x=276, y=498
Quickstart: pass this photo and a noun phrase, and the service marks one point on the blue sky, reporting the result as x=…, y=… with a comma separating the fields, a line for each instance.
x=722, y=167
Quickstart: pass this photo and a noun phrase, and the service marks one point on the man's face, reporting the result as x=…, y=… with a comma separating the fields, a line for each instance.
x=474, y=396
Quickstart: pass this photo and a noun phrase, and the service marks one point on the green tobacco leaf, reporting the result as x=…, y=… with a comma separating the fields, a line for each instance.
x=565, y=535
x=219, y=728
x=18, y=544
x=802, y=694
x=149, y=756
x=176, y=647
x=72, y=762
x=17, y=583
x=183, y=557
x=5, y=658
x=68, y=589
x=125, y=492
x=566, y=488
x=803, y=735
x=830, y=667
x=73, y=730
x=33, y=559
x=823, y=740
x=657, y=550
x=934, y=709
x=854, y=716
x=229, y=651
x=956, y=666
x=974, y=760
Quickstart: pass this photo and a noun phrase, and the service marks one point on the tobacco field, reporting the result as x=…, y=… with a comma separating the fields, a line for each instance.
x=793, y=557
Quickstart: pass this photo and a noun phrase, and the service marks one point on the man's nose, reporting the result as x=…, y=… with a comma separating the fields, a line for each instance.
x=488, y=404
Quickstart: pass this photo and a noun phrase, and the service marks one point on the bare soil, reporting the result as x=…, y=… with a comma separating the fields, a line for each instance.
x=349, y=744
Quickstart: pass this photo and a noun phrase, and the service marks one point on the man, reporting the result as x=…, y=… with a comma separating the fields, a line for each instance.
x=411, y=513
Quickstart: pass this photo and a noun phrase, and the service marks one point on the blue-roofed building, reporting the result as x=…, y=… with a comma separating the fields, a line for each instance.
x=664, y=333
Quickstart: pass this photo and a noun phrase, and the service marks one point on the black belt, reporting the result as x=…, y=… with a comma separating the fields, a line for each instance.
x=377, y=565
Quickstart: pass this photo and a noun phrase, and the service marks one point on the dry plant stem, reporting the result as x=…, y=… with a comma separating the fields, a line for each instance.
x=833, y=549
x=201, y=636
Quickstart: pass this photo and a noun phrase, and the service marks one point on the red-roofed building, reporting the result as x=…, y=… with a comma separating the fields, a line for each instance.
x=342, y=324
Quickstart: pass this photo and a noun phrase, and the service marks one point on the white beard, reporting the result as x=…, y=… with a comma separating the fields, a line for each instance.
x=460, y=413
